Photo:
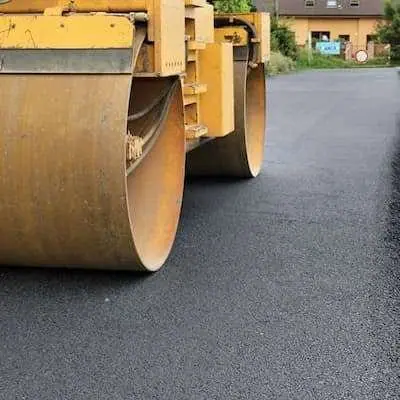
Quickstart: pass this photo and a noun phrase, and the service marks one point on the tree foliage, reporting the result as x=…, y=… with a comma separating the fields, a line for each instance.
x=283, y=39
x=389, y=30
x=232, y=6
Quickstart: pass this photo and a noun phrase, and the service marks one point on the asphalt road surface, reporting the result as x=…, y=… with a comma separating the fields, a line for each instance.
x=282, y=287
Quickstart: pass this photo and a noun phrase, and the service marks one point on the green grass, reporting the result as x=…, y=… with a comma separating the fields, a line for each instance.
x=319, y=61
x=279, y=64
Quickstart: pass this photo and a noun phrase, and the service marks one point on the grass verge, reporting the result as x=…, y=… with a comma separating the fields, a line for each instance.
x=279, y=64
x=320, y=61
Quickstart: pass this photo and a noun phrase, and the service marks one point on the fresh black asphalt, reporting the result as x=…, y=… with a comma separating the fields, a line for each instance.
x=282, y=287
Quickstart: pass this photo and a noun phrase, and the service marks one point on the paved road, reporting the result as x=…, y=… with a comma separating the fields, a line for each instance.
x=283, y=287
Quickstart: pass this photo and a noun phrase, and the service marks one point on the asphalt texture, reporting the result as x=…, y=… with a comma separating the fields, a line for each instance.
x=282, y=287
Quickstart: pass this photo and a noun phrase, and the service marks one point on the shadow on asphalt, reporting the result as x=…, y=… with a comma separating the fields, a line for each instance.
x=392, y=234
x=203, y=194
x=387, y=312
x=98, y=279
x=214, y=181
x=70, y=276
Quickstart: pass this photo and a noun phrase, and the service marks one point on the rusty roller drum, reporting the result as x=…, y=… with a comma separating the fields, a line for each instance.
x=66, y=199
x=241, y=153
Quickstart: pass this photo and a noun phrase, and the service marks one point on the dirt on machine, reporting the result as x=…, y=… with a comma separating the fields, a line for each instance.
x=105, y=106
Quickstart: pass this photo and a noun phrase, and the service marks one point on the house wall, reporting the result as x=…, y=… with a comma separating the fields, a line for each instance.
x=357, y=28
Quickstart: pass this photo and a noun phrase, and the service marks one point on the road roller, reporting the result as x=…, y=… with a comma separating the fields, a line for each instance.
x=105, y=107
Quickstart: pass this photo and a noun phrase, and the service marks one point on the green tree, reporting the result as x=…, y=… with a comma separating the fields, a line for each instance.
x=232, y=6
x=389, y=30
x=283, y=39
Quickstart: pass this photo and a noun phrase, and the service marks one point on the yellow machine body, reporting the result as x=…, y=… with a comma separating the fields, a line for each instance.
x=104, y=106
x=57, y=32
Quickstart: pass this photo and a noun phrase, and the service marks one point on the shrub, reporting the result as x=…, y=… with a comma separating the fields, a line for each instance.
x=280, y=64
x=283, y=39
x=389, y=30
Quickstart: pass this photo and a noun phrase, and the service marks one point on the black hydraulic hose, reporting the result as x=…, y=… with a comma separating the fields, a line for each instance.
x=155, y=130
x=150, y=107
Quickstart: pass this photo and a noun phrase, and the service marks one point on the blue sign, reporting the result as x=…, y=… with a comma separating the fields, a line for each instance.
x=329, y=48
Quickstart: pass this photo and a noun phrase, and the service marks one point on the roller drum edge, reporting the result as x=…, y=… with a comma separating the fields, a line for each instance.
x=239, y=154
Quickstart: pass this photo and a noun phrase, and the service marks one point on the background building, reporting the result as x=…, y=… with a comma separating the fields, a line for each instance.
x=351, y=20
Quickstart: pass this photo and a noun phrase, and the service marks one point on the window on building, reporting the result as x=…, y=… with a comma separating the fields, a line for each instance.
x=344, y=38
x=309, y=3
x=331, y=3
x=371, y=38
x=354, y=3
x=319, y=36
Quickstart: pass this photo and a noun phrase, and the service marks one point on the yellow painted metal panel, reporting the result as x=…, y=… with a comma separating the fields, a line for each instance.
x=217, y=104
x=167, y=29
x=29, y=6
x=73, y=32
x=192, y=45
x=236, y=35
x=263, y=31
x=195, y=3
x=194, y=88
x=203, y=22
x=261, y=23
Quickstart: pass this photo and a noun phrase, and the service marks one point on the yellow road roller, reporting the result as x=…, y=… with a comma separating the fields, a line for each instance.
x=105, y=105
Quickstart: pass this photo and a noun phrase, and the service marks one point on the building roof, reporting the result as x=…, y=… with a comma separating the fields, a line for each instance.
x=296, y=8
x=264, y=5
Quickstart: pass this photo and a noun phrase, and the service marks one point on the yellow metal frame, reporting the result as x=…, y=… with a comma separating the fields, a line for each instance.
x=236, y=35
x=166, y=29
x=217, y=103
x=261, y=23
x=72, y=32
x=38, y=6
x=207, y=84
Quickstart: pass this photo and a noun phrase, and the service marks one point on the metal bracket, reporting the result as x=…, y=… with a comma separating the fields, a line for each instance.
x=54, y=11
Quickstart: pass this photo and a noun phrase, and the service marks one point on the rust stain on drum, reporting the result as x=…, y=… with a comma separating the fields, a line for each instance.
x=65, y=197
x=53, y=211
